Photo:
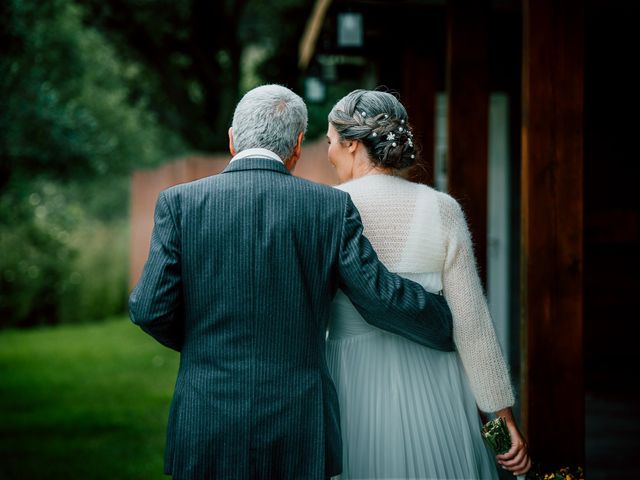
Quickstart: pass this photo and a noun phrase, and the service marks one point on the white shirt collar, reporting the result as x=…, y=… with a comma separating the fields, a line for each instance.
x=256, y=152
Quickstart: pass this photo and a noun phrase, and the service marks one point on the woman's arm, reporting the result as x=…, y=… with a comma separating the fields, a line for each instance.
x=474, y=334
x=473, y=330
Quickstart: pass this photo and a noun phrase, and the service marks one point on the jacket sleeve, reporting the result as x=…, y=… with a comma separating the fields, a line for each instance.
x=156, y=303
x=386, y=300
x=474, y=333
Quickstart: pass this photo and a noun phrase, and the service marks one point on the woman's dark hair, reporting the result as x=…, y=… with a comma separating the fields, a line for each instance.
x=380, y=122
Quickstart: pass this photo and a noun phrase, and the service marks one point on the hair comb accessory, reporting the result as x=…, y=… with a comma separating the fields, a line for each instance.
x=374, y=134
x=391, y=136
x=364, y=114
x=394, y=144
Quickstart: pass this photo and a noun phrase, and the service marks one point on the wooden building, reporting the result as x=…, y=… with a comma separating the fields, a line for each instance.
x=524, y=111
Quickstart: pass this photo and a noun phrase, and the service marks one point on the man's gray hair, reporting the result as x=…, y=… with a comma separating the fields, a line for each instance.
x=271, y=117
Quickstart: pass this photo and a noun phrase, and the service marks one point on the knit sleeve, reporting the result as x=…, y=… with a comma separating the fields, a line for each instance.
x=473, y=330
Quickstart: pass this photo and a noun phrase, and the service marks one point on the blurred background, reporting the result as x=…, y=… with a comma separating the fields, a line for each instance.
x=526, y=112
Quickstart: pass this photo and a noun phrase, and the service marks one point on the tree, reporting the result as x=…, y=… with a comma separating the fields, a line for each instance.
x=194, y=54
x=67, y=106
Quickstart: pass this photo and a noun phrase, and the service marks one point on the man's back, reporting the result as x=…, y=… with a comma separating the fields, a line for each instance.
x=257, y=249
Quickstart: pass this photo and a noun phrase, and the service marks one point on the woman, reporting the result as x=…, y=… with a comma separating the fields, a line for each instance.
x=408, y=411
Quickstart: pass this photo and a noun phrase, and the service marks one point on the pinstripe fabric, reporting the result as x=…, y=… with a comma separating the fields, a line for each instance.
x=241, y=273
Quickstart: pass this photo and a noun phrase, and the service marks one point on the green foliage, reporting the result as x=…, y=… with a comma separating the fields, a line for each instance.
x=99, y=274
x=63, y=261
x=82, y=402
x=104, y=88
x=277, y=27
x=194, y=54
x=188, y=53
x=75, y=120
x=68, y=110
x=34, y=266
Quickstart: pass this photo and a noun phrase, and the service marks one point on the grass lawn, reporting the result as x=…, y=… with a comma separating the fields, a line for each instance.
x=84, y=401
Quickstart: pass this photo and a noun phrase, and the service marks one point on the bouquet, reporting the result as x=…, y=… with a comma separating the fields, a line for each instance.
x=497, y=436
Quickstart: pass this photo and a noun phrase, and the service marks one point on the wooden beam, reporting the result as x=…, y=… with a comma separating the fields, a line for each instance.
x=309, y=39
x=552, y=230
x=468, y=119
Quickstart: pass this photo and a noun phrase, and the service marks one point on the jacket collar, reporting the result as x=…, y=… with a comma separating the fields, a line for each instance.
x=256, y=152
x=256, y=163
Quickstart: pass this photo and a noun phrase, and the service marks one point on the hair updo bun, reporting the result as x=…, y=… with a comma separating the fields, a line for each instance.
x=379, y=121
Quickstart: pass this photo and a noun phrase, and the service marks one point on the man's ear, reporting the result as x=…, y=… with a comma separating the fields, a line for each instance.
x=295, y=156
x=232, y=149
x=298, y=148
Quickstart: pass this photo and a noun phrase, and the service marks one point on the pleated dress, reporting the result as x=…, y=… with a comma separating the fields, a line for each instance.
x=408, y=411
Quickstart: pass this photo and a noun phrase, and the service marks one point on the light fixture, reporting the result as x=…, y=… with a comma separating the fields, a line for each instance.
x=314, y=90
x=350, y=30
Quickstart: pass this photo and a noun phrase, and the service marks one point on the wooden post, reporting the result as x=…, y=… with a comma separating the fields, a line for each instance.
x=419, y=91
x=552, y=231
x=468, y=117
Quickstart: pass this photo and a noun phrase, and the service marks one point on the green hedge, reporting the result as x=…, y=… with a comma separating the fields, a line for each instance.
x=59, y=264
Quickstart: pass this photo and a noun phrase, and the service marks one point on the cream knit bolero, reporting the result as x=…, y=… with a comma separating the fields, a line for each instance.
x=416, y=229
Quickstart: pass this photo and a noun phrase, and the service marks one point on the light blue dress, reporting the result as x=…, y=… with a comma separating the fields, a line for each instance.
x=406, y=411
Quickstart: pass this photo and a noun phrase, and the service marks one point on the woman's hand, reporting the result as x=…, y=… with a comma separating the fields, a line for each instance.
x=516, y=460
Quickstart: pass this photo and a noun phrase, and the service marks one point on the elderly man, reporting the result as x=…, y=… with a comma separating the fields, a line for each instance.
x=241, y=273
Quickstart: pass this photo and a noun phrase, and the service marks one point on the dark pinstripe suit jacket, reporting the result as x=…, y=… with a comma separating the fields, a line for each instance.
x=242, y=269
